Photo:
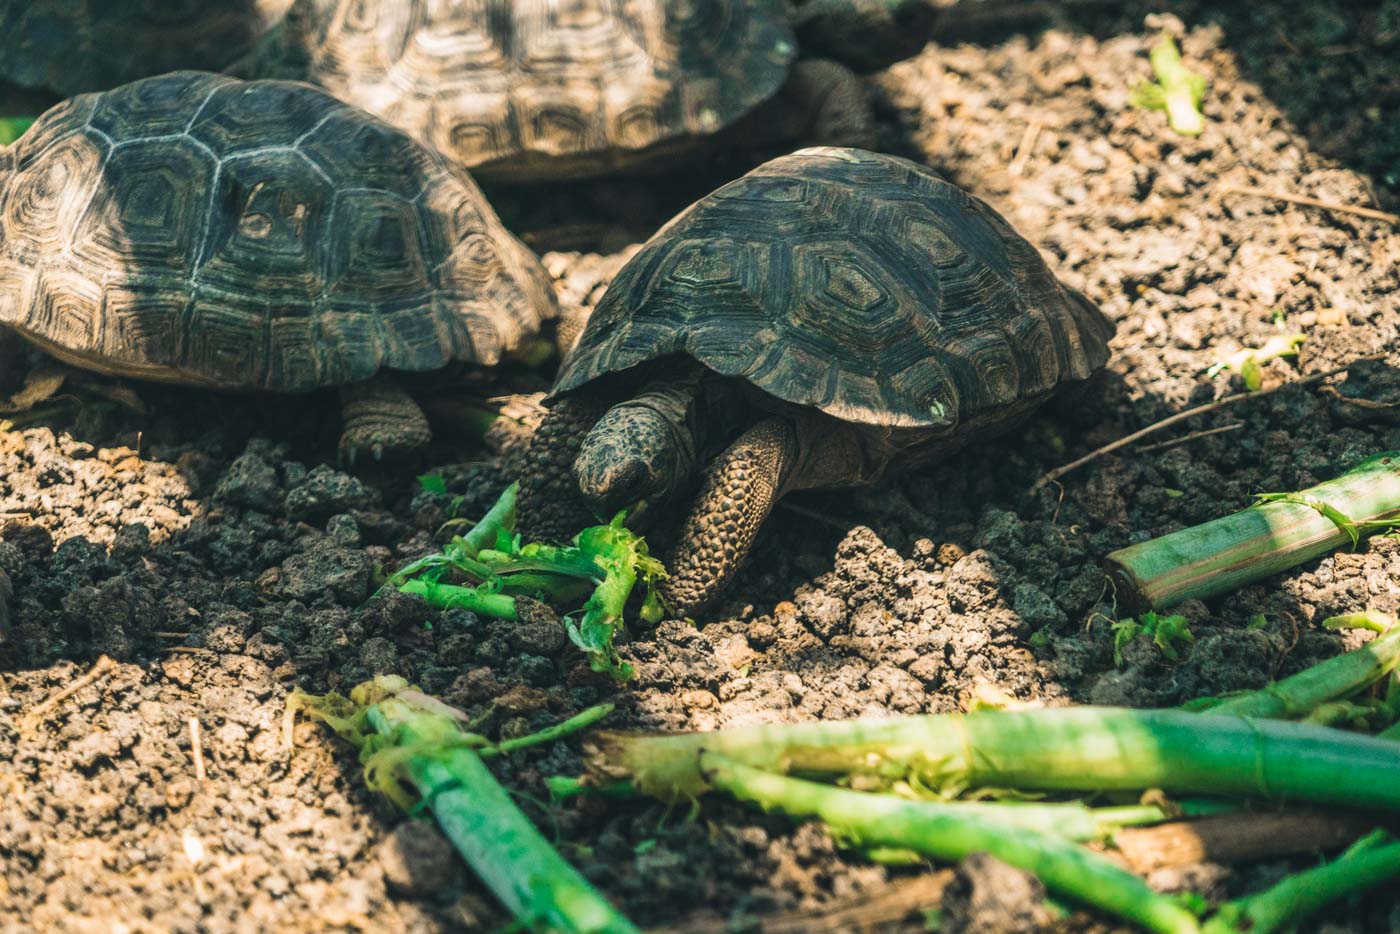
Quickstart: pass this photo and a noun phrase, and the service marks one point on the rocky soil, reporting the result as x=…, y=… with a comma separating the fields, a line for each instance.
x=212, y=548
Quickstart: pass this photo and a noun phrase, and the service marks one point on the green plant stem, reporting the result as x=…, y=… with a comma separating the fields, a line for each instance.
x=1103, y=748
x=1369, y=862
x=499, y=518
x=500, y=844
x=451, y=596
x=1181, y=88
x=941, y=832
x=1230, y=552
x=551, y=587
x=579, y=721
x=1298, y=695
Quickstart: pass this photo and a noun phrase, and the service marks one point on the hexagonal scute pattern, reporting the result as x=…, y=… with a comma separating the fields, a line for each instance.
x=525, y=86
x=73, y=46
x=864, y=285
x=252, y=235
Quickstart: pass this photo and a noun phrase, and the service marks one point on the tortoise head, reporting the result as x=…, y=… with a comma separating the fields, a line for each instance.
x=637, y=457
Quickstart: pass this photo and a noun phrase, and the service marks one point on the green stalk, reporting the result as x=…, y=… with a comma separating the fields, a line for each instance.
x=1228, y=553
x=499, y=518
x=1299, y=694
x=408, y=739
x=579, y=721
x=948, y=833
x=551, y=587
x=1071, y=748
x=1368, y=862
x=1178, y=90
x=505, y=850
x=451, y=596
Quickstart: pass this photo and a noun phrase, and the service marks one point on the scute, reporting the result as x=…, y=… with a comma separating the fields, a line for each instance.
x=491, y=83
x=72, y=46
x=864, y=285
x=252, y=235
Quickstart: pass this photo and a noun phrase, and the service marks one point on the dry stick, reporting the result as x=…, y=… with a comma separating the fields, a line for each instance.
x=196, y=750
x=1370, y=213
x=1221, y=403
x=100, y=669
x=1237, y=838
x=1025, y=147
x=1193, y=436
x=888, y=905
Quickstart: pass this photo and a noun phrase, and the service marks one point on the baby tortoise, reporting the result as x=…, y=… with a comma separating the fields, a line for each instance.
x=73, y=46
x=811, y=322
x=543, y=89
x=193, y=228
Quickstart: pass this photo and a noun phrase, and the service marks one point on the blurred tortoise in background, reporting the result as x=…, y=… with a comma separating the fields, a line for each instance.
x=546, y=89
x=73, y=46
x=811, y=321
x=193, y=228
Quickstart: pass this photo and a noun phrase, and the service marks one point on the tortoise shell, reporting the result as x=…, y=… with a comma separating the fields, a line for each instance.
x=863, y=285
x=72, y=46
x=199, y=229
x=511, y=85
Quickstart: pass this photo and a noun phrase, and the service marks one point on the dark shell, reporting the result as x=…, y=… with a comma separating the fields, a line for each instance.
x=253, y=235
x=514, y=83
x=864, y=285
x=72, y=46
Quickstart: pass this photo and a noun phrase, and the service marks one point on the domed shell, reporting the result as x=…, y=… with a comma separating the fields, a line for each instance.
x=252, y=235
x=863, y=285
x=517, y=85
x=72, y=46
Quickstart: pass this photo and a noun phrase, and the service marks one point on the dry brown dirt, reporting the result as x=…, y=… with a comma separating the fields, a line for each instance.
x=211, y=545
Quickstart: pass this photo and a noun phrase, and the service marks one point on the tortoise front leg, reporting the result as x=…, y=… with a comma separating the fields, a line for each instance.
x=833, y=102
x=739, y=491
x=381, y=419
x=550, y=506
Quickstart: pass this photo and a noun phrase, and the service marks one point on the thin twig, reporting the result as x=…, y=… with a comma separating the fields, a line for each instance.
x=1237, y=838
x=889, y=904
x=100, y=669
x=196, y=750
x=1189, y=413
x=1370, y=213
x=1204, y=433
x=1025, y=147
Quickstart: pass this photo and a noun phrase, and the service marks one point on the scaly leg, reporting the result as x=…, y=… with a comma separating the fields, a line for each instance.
x=380, y=419
x=550, y=506
x=835, y=102
x=739, y=491
x=822, y=103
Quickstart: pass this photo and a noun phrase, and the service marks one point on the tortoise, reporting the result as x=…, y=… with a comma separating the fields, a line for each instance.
x=814, y=321
x=539, y=89
x=74, y=46
x=194, y=228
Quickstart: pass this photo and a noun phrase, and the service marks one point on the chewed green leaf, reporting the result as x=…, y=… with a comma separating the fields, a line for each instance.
x=432, y=483
x=492, y=559
x=12, y=128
